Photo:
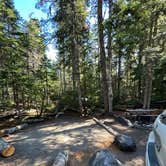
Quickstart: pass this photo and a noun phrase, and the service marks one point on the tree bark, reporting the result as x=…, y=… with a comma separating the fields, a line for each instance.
x=102, y=57
x=76, y=61
x=149, y=62
x=119, y=72
x=64, y=78
x=61, y=78
x=13, y=129
x=108, y=129
x=110, y=91
x=140, y=70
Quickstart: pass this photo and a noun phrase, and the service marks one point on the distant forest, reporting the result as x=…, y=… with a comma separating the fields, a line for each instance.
x=111, y=53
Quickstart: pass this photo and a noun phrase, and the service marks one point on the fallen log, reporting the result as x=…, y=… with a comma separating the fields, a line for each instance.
x=123, y=120
x=6, y=149
x=61, y=159
x=124, y=142
x=108, y=129
x=7, y=116
x=140, y=111
x=143, y=126
x=104, y=158
x=13, y=129
x=59, y=114
x=31, y=120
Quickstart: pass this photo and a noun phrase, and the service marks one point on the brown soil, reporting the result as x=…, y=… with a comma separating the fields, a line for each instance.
x=39, y=144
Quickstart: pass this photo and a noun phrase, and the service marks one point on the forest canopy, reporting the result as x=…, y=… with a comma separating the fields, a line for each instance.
x=110, y=53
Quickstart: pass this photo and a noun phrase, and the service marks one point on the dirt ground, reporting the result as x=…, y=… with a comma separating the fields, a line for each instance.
x=39, y=144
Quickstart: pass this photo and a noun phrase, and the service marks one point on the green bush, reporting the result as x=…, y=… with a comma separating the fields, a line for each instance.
x=69, y=99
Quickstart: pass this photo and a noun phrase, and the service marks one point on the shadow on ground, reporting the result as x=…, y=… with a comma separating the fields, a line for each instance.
x=39, y=144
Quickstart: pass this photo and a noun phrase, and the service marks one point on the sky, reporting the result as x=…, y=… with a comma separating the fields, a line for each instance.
x=27, y=8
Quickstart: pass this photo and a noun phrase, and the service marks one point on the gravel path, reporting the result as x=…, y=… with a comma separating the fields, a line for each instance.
x=39, y=144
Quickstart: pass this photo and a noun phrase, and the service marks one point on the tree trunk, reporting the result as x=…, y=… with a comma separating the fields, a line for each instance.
x=77, y=52
x=110, y=92
x=148, y=86
x=108, y=129
x=119, y=73
x=73, y=70
x=13, y=129
x=42, y=104
x=140, y=70
x=148, y=78
x=149, y=62
x=76, y=61
x=102, y=57
x=61, y=79
x=6, y=150
x=124, y=142
x=64, y=78
x=47, y=87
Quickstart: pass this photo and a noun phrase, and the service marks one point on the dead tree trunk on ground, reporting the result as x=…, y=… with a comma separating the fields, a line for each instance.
x=123, y=142
x=13, y=129
x=6, y=150
x=61, y=159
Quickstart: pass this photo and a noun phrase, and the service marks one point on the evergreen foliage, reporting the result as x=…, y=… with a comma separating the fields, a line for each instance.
x=132, y=57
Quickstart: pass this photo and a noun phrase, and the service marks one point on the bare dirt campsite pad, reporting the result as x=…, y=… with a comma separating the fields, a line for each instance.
x=39, y=144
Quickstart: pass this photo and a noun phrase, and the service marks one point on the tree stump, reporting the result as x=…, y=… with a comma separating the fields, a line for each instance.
x=125, y=143
x=103, y=158
x=6, y=150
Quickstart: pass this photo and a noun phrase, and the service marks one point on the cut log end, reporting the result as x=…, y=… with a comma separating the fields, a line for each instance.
x=61, y=159
x=8, y=151
x=125, y=143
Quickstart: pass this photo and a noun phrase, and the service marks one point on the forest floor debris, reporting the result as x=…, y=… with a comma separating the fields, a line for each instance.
x=81, y=137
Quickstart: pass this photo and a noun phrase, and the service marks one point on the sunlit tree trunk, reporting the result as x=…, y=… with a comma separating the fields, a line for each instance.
x=141, y=46
x=76, y=60
x=102, y=56
x=110, y=92
x=149, y=61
